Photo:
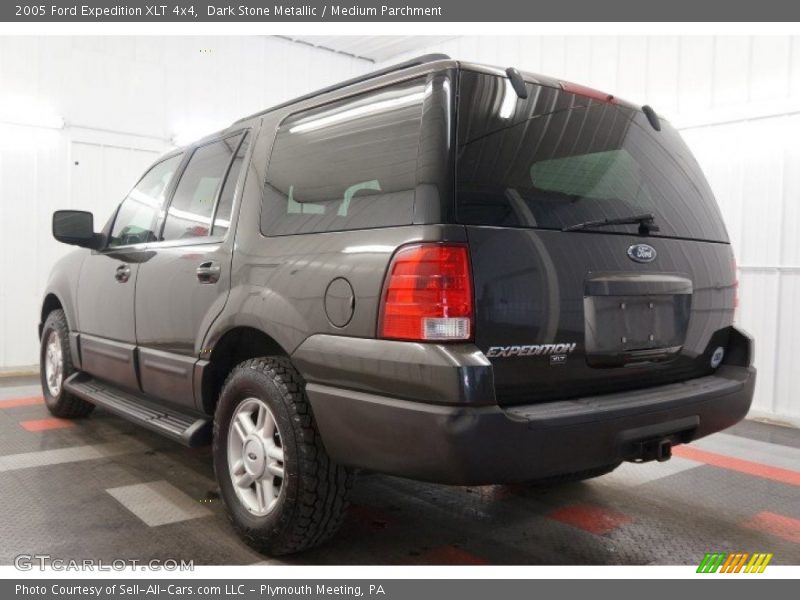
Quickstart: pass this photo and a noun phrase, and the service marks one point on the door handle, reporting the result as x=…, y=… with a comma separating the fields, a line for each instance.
x=123, y=273
x=208, y=272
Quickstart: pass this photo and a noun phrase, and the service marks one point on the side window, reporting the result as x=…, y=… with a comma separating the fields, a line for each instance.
x=347, y=165
x=137, y=216
x=222, y=219
x=189, y=214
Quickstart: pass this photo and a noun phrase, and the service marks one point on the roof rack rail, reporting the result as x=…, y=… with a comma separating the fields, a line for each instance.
x=414, y=62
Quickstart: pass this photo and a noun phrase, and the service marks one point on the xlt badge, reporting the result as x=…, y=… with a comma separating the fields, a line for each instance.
x=531, y=350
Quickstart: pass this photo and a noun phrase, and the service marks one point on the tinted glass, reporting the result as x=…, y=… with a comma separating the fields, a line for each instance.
x=222, y=220
x=348, y=165
x=189, y=213
x=137, y=216
x=558, y=159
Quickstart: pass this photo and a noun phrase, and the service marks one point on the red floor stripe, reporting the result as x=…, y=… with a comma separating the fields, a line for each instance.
x=593, y=519
x=777, y=525
x=45, y=424
x=738, y=464
x=14, y=402
x=450, y=555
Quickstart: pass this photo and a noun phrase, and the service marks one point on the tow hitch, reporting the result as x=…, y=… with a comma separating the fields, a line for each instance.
x=647, y=450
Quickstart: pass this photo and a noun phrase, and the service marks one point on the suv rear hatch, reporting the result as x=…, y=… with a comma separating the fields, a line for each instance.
x=566, y=305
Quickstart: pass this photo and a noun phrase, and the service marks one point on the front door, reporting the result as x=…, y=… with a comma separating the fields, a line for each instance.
x=184, y=284
x=106, y=289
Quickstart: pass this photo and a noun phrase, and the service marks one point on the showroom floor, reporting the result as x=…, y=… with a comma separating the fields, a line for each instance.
x=103, y=488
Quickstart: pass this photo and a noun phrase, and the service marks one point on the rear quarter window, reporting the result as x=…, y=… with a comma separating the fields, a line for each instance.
x=347, y=165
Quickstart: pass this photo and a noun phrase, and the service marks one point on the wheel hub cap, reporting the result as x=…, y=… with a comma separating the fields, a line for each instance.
x=254, y=457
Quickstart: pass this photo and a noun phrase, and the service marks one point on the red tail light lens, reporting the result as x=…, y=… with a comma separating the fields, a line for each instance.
x=427, y=295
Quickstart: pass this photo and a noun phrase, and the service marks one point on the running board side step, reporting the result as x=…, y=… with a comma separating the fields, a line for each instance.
x=188, y=430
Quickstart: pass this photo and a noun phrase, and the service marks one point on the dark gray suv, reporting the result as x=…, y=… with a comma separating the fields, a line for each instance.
x=442, y=270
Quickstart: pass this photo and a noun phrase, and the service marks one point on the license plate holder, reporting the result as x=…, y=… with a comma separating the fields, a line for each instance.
x=627, y=328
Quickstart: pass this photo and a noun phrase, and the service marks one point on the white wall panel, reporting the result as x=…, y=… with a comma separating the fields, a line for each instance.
x=787, y=347
x=731, y=71
x=604, y=60
x=632, y=68
x=790, y=242
x=123, y=98
x=696, y=62
x=737, y=101
x=663, y=59
x=758, y=312
x=769, y=67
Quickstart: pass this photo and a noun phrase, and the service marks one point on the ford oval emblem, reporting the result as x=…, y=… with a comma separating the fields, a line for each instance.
x=642, y=253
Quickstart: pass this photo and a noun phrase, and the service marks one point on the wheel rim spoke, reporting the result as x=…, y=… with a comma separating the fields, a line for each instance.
x=275, y=453
x=243, y=425
x=267, y=430
x=239, y=431
x=245, y=480
x=275, y=469
x=246, y=421
x=261, y=417
x=274, y=492
x=261, y=496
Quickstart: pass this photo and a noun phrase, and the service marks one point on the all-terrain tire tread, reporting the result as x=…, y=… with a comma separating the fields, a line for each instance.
x=325, y=487
x=67, y=406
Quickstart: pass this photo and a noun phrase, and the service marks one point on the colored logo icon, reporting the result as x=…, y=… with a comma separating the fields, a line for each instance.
x=737, y=562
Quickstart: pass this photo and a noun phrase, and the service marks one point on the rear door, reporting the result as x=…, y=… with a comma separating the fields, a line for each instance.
x=600, y=308
x=108, y=280
x=185, y=282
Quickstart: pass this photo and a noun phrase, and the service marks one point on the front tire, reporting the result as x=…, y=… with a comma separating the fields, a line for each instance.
x=55, y=366
x=282, y=491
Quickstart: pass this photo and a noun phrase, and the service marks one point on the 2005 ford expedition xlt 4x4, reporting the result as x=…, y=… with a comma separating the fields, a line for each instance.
x=442, y=271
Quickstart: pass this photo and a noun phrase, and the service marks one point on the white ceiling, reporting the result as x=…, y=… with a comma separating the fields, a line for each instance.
x=376, y=48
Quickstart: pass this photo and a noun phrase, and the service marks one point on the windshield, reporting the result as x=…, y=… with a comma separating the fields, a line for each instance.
x=557, y=159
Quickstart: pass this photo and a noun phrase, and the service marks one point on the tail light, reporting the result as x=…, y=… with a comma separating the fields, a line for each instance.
x=427, y=295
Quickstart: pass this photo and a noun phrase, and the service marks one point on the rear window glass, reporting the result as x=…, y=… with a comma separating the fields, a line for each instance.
x=348, y=165
x=558, y=159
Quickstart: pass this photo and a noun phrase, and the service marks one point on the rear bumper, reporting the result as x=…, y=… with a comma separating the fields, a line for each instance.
x=482, y=445
x=428, y=412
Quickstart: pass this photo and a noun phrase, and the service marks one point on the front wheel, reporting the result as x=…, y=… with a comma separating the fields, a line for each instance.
x=282, y=491
x=55, y=366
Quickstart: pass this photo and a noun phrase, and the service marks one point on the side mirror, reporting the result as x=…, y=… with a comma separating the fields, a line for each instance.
x=76, y=227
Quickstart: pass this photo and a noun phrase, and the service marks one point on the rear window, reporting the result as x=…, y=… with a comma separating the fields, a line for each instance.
x=558, y=159
x=347, y=165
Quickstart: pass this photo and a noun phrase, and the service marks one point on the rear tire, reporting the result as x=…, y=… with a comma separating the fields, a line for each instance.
x=282, y=491
x=55, y=366
x=556, y=480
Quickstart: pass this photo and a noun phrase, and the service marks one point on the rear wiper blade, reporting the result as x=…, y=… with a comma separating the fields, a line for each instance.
x=646, y=223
